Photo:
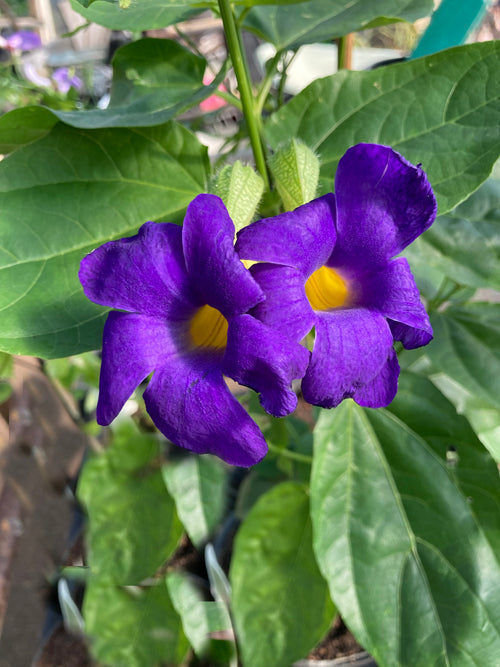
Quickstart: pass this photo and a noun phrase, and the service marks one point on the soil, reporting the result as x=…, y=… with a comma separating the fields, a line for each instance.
x=338, y=643
x=40, y=448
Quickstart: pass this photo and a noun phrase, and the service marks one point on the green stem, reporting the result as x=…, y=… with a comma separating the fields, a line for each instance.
x=344, y=60
x=247, y=101
x=287, y=454
x=267, y=82
x=284, y=75
x=229, y=98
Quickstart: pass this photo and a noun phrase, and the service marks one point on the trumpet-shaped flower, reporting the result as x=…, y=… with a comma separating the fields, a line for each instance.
x=330, y=265
x=186, y=296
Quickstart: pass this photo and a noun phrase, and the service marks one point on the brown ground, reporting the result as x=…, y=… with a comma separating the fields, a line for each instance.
x=37, y=456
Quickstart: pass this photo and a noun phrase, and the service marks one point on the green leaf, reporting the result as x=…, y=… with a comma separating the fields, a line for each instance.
x=132, y=523
x=295, y=169
x=322, y=20
x=407, y=535
x=465, y=244
x=6, y=365
x=137, y=16
x=153, y=81
x=62, y=197
x=200, y=618
x=429, y=414
x=484, y=419
x=132, y=627
x=23, y=126
x=6, y=391
x=442, y=111
x=466, y=347
x=240, y=188
x=198, y=486
x=280, y=601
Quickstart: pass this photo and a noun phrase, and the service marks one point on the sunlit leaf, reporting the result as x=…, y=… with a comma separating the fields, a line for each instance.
x=63, y=196
x=322, y=20
x=405, y=507
x=132, y=627
x=132, y=523
x=442, y=111
x=280, y=601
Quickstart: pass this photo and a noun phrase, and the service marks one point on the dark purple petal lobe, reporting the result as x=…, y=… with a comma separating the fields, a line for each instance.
x=285, y=307
x=143, y=273
x=383, y=203
x=132, y=347
x=303, y=238
x=213, y=265
x=350, y=350
x=393, y=293
x=190, y=403
x=382, y=389
x=265, y=360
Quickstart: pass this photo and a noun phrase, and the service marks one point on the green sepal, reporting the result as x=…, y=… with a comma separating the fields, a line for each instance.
x=295, y=169
x=241, y=189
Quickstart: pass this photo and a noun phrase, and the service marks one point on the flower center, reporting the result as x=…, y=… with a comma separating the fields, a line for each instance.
x=208, y=328
x=325, y=289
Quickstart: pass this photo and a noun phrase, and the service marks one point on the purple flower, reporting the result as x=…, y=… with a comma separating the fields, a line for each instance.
x=186, y=296
x=64, y=81
x=21, y=41
x=329, y=265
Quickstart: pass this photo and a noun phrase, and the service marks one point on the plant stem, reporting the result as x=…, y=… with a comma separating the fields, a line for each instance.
x=345, y=52
x=267, y=82
x=247, y=101
x=229, y=98
x=286, y=453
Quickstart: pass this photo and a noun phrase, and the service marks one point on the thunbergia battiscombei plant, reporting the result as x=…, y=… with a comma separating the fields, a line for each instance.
x=323, y=415
x=196, y=313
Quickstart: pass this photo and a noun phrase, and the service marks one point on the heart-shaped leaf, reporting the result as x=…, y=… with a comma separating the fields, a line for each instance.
x=63, y=196
x=322, y=20
x=442, y=111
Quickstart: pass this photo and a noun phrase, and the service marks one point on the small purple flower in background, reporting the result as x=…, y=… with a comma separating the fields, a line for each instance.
x=329, y=265
x=64, y=80
x=21, y=41
x=186, y=297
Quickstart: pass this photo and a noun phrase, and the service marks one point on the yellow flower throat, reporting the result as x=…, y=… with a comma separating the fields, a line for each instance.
x=208, y=328
x=325, y=289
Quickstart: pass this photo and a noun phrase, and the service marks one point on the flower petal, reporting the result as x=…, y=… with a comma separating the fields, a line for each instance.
x=190, y=403
x=220, y=278
x=303, y=238
x=382, y=389
x=285, y=307
x=393, y=293
x=383, y=203
x=143, y=273
x=132, y=346
x=265, y=360
x=350, y=350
